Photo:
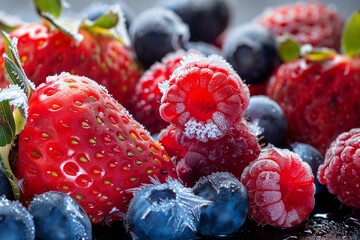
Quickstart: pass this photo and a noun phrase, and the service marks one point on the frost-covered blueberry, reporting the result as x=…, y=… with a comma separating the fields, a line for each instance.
x=252, y=51
x=312, y=156
x=5, y=187
x=203, y=47
x=156, y=32
x=164, y=211
x=16, y=223
x=207, y=19
x=230, y=204
x=58, y=216
x=269, y=120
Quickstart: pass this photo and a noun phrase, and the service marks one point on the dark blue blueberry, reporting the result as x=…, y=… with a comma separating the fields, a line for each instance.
x=59, y=217
x=167, y=211
x=97, y=9
x=5, y=187
x=230, y=204
x=156, y=32
x=207, y=19
x=268, y=120
x=252, y=52
x=16, y=223
x=313, y=157
x=203, y=47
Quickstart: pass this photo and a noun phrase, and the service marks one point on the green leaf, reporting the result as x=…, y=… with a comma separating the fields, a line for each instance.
x=53, y=7
x=350, y=40
x=7, y=124
x=108, y=20
x=288, y=48
x=319, y=55
x=5, y=164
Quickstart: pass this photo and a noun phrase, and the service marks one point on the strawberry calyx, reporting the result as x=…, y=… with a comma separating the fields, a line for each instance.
x=13, y=109
x=350, y=40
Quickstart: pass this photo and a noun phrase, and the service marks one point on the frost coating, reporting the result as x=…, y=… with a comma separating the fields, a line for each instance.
x=202, y=131
x=16, y=97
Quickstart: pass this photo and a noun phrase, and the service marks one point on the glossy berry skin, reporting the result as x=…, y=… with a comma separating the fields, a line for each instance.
x=268, y=117
x=16, y=222
x=340, y=170
x=45, y=51
x=231, y=153
x=147, y=96
x=280, y=187
x=5, y=187
x=312, y=156
x=229, y=207
x=80, y=141
x=207, y=19
x=156, y=32
x=166, y=211
x=252, y=51
x=315, y=23
x=57, y=216
x=170, y=139
x=204, y=97
x=318, y=98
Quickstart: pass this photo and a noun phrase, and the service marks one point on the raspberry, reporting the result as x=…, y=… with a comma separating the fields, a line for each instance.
x=204, y=97
x=232, y=153
x=281, y=188
x=308, y=22
x=147, y=96
x=168, y=137
x=341, y=168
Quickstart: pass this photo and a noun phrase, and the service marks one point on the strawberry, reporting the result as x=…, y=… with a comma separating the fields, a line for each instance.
x=45, y=51
x=319, y=93
x=310, y=22
x=80, y=141
x=147, y=95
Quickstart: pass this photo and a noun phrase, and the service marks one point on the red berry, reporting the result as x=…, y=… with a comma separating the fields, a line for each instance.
x=204, y=97
x=231, y=153
x=147, y=96
x=308, y=22
x=169, y=139
x=80, y=141
x=281, y=188
x=341, y=168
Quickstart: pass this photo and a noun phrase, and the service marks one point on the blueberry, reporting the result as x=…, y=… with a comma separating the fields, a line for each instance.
x=269, y=119
x=5, y=187
x=58, y=216
x=313, y=157
x=97, y=9
x=156, y=32
x=15, y=221
x=252, y=51
x=203, y=47
x=164, y=211
x=230, y=204
x=207, y=19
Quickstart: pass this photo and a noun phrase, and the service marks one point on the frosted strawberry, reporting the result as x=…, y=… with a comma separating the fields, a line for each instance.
x=78, y=140
x=319, y=92
x=310, y=22
x=231, y=153
x=147, y=96
x=280, y=188
x=204, y=97
x=341, y=168
x=94, y=50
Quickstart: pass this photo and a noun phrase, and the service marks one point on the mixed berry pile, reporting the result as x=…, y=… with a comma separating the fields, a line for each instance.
x=176, y=124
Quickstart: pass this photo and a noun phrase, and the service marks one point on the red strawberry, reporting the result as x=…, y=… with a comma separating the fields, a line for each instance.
x=341, y=168
x=280, y=188
x=310, y=22
x=204, y=97
x=231, y=153
x=319, y=99
x=45, y=51
x=80, y=141
x=147, y=96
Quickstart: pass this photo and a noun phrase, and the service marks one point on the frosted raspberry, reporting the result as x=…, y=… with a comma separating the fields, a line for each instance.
x=204, y=97
x=168, y=137
x=341, y=168
x=281, y=188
